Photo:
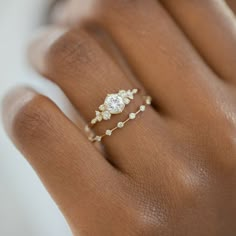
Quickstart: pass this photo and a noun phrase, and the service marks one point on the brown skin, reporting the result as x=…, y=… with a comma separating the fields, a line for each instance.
x=172, y=171
x=232, y=4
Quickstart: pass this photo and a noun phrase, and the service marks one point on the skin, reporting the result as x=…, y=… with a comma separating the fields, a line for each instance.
x=171, y=171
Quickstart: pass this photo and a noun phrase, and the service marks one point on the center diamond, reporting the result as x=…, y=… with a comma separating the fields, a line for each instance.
x=114, y=103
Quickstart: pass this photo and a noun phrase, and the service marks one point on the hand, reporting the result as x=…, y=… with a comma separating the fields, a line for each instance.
x=171, y=171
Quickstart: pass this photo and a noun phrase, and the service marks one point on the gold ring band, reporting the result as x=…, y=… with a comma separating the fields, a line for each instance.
x=132, y=116
x=115, y=104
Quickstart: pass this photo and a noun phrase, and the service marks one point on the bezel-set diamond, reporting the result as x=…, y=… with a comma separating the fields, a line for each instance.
x=132, y=116
x=142, y=108
x=120, y=124
x=148, y=100
x=108, y=132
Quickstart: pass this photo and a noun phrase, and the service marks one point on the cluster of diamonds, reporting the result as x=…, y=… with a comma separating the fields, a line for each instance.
x=120, y=125
x=113, y=104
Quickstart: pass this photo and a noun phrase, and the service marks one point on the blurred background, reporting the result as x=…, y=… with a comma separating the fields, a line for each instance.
x=26, y=208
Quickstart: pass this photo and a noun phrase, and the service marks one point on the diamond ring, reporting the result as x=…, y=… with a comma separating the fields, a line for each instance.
x=132, y=116
x=113, y=104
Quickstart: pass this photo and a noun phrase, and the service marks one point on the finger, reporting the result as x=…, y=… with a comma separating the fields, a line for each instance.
x=159, y=54
x=86, y=74
x=70, y=167
x=211, y=26
x=232, y=5
x=58, y=14
x=41, y=43
x=72, y=12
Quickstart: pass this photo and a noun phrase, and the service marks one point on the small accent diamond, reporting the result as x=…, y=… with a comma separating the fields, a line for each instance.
x=106, y=115
x=102, y=108
x=93, y=121
x=142, y=108
x=148, y=100
x=99, y=118
x=126, y=101
x=98, y=138
x=98, y=115
x=130, y=95
x=87, y=129
x=108, y=132
x=132, y=116
x=120, y=125
x=122, y=93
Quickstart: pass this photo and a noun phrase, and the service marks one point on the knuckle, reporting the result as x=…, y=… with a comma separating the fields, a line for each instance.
x=149, y=218
x=69, y=54
x=148, y=213
x=33, y=120
x=215, y=137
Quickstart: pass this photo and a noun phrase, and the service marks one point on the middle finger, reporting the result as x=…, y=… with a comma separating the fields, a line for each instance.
x=160, y=55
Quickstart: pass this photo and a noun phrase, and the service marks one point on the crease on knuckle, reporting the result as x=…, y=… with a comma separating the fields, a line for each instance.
x=70, y=54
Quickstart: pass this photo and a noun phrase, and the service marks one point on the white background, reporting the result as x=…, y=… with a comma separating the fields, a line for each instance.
x=26, y=209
